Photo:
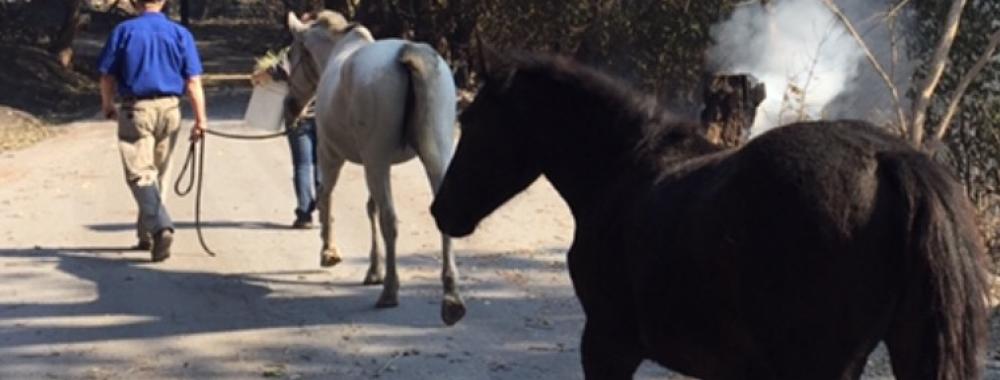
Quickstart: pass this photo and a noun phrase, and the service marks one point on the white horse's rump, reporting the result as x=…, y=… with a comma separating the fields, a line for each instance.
x=378, y=103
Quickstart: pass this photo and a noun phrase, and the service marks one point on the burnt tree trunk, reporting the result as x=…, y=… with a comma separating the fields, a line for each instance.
x=315, y=6
x=731, y=102
x=185, y=12
x=62, y=43
x=381, y=18
x=345, y=7
x=463, y=17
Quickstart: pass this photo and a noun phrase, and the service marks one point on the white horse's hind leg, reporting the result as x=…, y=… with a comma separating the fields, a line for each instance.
x=452, y=306
x=375, y=269
x=435, y=152
x=380, y=188
x=330, y=165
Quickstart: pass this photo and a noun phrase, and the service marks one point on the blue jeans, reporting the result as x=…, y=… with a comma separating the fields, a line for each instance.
x=302, y=142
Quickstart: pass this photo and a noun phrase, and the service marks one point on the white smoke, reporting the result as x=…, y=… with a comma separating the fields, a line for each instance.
x=811, y=66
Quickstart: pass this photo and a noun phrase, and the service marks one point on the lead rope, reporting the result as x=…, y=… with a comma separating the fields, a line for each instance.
x=198, y=175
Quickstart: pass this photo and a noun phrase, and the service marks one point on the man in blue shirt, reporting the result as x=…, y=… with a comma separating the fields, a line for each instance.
x=150, y=62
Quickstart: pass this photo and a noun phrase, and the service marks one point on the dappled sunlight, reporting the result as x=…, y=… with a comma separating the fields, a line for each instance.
x=247, y=323
x=83, y=321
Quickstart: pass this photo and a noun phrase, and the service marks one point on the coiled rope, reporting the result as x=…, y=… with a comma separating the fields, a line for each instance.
x=197, y=175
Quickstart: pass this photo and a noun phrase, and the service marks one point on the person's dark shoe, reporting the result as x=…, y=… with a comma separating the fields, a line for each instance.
x=143, y=245
x=161, y=245
x=302, y=223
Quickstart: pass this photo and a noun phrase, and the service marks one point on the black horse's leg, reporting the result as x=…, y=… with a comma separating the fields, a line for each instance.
x=608, y=353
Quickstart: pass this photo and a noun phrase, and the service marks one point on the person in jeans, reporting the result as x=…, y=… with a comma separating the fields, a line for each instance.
x=149, y=62
x=305, y=177
x=302, y=143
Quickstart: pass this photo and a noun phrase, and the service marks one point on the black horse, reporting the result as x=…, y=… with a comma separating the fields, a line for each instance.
x=789, y=258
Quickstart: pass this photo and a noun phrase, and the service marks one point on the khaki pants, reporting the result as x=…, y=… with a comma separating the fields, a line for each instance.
x=147, y=134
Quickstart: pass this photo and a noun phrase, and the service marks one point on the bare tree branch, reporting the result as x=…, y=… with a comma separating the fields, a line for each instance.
x=956, y=98
x=896, y=9
x=937, y=65
x=113, y=6
x=894, y=59
x=883, y=17
x=871, y=58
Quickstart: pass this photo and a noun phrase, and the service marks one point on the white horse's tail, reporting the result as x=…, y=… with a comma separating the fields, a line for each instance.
x=424, y=100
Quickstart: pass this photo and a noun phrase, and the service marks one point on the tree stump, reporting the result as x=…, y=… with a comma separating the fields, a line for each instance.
x=62, y=42
x=185, y=12
x=731, y=102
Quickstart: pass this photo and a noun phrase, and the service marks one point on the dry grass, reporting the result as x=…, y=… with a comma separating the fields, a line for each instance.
x=19, y=129
x=269, y=59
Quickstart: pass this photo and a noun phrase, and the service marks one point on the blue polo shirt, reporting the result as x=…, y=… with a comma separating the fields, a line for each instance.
x=150, y=55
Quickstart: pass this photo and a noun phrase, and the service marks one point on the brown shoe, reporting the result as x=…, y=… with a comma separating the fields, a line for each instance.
x=161, y=245
x=143, y=245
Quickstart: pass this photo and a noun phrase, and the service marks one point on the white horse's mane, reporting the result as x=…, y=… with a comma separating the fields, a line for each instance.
x=354, y=33
x=332, y=21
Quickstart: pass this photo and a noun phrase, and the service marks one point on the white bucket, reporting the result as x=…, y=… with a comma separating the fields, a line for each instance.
x=266, y=104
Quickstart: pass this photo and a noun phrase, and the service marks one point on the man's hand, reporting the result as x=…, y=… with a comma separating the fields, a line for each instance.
x=261, y=77
x=197, y=131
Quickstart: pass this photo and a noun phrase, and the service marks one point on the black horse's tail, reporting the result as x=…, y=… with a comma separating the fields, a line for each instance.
x=939, y=328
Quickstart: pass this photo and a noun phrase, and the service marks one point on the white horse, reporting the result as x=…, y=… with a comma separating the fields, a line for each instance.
x=378, y=103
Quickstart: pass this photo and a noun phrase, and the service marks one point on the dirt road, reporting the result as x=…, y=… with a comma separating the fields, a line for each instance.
x=75, y=303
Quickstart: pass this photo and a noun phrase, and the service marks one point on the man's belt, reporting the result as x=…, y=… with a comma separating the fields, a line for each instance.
x=136, y=98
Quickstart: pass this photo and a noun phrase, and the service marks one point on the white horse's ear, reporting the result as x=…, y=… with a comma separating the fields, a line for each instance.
x=295, y=25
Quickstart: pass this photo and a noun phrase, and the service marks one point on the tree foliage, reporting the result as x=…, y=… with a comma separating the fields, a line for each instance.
x=658, y=45
x=34, y=23
x=973, y=141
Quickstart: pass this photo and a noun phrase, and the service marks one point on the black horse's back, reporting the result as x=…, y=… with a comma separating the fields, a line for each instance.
x=921, y=215
x=821, y=239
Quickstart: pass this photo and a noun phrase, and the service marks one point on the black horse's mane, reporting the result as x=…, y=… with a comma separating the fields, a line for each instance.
x=657, y=134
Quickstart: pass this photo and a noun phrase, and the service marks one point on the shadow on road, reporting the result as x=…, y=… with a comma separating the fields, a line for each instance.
x=160, y=303
x=137, y=300
x=249, y=225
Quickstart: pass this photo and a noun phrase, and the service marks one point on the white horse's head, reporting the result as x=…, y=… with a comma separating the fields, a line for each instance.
x=313, y=42
x=323, y=36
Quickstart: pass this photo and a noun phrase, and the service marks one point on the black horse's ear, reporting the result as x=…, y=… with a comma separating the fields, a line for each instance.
x=504, y=74
x=481, y=64
x=491, y=66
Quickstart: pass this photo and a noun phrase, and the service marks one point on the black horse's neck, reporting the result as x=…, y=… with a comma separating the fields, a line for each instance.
x=595, y=134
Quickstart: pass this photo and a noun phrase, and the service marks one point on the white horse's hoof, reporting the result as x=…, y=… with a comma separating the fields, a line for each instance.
x=387, y=301
x=373, y=278
x=329, y=258
x=452, y=309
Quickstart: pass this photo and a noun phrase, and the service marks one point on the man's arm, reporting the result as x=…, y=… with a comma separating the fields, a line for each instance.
x=192, y=70
x=108, y=96
x=197, y=96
